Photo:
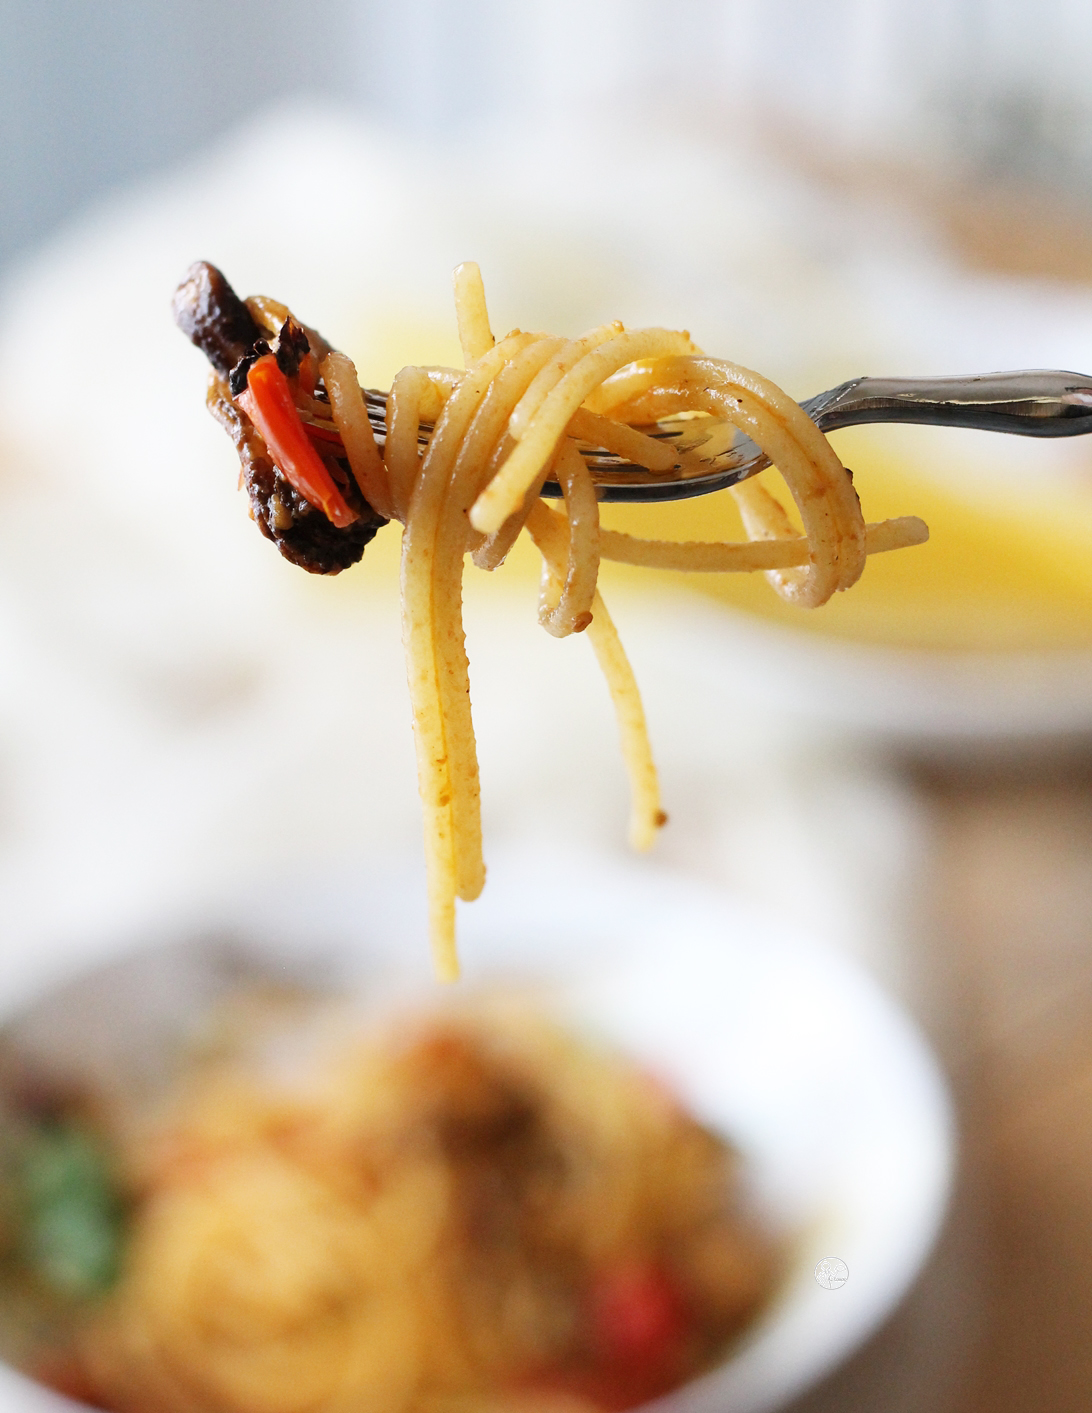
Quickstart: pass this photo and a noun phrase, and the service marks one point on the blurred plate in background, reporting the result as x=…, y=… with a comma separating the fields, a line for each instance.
x=787, y=1048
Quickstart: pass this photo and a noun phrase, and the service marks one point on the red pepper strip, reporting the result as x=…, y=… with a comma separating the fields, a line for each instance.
x=267, y=401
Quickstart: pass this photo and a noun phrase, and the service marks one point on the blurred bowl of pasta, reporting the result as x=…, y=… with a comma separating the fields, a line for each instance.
x=749, y=1034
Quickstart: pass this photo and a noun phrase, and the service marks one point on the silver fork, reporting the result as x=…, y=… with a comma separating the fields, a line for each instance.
x=1031, y=404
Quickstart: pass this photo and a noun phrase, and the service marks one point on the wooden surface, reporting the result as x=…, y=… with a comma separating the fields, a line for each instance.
x=1001, y=1320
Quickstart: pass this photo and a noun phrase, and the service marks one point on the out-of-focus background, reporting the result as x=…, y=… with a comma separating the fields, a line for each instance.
x=818, y=190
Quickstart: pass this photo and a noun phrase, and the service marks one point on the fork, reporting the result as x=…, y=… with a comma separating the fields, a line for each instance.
x=1030, y=404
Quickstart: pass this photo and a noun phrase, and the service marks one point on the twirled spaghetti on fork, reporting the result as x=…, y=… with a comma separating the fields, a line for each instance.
x=513, y=417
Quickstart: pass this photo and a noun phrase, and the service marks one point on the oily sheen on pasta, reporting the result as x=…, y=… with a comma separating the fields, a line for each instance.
x=464, y=458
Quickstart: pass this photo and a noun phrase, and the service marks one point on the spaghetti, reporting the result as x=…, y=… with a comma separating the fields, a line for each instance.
x=466, y=1212
x=508, y=421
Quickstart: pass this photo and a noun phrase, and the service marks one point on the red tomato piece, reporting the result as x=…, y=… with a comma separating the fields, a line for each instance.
x=638, y=1315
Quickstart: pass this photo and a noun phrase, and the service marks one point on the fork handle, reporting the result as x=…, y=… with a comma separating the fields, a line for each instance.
x=1038, y=403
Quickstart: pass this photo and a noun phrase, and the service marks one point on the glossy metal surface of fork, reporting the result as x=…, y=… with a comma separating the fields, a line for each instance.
x=1029, y=404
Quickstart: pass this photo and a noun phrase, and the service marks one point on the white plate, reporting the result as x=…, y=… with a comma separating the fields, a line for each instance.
x=789, y=1049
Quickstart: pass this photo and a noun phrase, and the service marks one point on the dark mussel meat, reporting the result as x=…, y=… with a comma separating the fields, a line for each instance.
x=215, y=319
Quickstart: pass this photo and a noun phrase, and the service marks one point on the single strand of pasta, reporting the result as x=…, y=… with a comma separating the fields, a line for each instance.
x=763, y=515
x=402, y=453
x=442, y=382
x=651, y=404
x=646, y=813
x=900, y=532
x=621, y=388
x=621, y=439
x=494, y=548
x=351, y=419
x=571, y=610
x=437, y=732
x=269, y=313
x=417, y=395
x=475, y=335
x=450, y=547
x=709, y=557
